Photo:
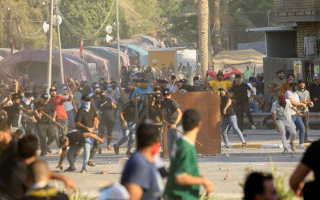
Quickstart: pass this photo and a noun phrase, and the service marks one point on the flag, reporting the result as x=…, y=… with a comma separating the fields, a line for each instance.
x=125, y=50
x=12, y=44
x=96, y=43
x=81, y=48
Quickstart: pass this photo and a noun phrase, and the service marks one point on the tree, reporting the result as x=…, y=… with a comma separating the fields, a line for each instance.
x=203, y=17
x=216, y=32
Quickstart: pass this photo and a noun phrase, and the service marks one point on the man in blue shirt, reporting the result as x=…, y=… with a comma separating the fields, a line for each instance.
x=144, y=88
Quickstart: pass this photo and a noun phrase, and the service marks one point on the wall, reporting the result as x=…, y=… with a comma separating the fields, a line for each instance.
x=305, y=29
x=282, y=44
x=296, y=10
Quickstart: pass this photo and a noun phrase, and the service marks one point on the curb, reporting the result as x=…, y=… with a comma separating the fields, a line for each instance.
x=264, y=146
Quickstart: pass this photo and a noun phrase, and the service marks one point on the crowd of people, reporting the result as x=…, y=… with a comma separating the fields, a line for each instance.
x=70, y=114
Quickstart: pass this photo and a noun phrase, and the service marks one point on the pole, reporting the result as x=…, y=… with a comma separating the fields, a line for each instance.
x=49, y=68
x=118, y=43
x=59, y=41
x=268, y=18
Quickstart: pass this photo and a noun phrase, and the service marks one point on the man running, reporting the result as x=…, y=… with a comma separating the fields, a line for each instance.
x=281, y=115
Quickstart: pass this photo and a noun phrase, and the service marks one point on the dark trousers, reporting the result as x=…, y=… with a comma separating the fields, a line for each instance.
x=244, y=108
x=306, y=123
x=47, y=131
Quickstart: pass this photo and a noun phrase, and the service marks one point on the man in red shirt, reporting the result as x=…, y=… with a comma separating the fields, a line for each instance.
x=62, y=117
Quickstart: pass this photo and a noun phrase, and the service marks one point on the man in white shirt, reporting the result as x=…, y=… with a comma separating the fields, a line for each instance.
x=295, y=101
x=281, y=115
x=68, y=107
x=253, y=84
x=172, y=87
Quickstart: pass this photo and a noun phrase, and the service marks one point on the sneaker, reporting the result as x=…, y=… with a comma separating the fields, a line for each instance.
x=264, y=122
x=128, y=153
x=253, y=127
x=100, y=150
x=307, y=141
x=83, y=171
x=301, y=147
x=49, y=150
x=116, y=149
x=293, y=147
x=109, y=147
x=281, y=145
x=69, y=169
x=285, y=151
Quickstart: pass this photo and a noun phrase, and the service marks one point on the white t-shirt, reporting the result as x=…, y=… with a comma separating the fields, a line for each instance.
x=295, y=96
x=253, y=88
x=282, y=113
x=67, y=104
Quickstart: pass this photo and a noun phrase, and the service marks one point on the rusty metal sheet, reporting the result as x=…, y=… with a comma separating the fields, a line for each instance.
x=208, y=105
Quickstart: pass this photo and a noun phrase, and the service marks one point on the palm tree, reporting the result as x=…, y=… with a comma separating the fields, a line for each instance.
x=203, y=18
x=217, y=32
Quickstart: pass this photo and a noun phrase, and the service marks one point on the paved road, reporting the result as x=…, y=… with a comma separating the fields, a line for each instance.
x=238, y=161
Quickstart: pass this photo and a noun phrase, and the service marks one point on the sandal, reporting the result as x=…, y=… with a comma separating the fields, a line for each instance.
x=225, y=146
x=91, y=164
x=244, y=145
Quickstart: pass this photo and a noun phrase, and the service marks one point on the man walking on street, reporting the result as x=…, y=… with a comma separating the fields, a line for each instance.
x=62, y=117
x=243, y=102
x=281, y=115
x=172, y=114
x=304, y=97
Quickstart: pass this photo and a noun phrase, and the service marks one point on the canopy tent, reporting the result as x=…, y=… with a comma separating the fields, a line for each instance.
x=151, y=40
x=258, y=46
x=34, y=62
x=137, y=43
x=238, y=59
x=90, y=57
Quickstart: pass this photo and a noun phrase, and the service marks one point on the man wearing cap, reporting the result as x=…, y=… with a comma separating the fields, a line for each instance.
x=172, y=87
x=95, y=95
x=243, y=101
x=144, y=88
x=304, y=97
x=179, y=85
x=13, y=111
x=62, y=117
x=172, y=114
x=218, y=83
x=86, y=120
x=76, y=140
x=253, y=84
x=295, y=101
x=68, y=107
x=43, y=123
x=186, y=86
x=197, y=86
x=281, y=115
x=162, y=84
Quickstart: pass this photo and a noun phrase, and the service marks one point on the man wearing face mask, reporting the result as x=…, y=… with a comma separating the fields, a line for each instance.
x=197, y=86
x=172, y=114
x=111, y=93
x=133, y=75
x=95, y=95
x=218, y=83
x=86, y=121
x=281, y=115
x=286, y=85
x=140, y=74
x=295, y=101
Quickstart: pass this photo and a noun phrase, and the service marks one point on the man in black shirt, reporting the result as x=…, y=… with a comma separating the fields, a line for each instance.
x=229, y=118
x=198, y=87
x=76, y=140
x=127, y=116
x=86, y=120
x=131, y=88
x=243, y=102
x=8, y=146
x=172, y=114
x=186, y=86
x=13, y=111
x=43, y=123
x=140, y=74
x=95, y=95
x=309, y=162
x=28, y=103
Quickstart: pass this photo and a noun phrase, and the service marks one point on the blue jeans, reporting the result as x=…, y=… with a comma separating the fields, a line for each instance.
x=226, y=122
x=74, y=148
x=254, y=106
x=173, y=135
x=70, y=119
x=128, y=132
x=300, y=125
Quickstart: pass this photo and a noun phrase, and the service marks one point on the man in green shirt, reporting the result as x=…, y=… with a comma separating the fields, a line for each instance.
x=248, y=72
x=184, y=180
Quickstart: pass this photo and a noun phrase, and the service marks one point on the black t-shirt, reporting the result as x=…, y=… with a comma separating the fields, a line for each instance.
x=153, y=112
x=229, y=111
x=129, y=112
x=241, y=93
x=11, y=150
x=94, y=98
x=169, y=109
x=130, y=92
x=47, y=108
x=29, y=107
x=75, y=138
x=141, y=75
x=188, y=88
x=86, y=118
x=84, y=91
x=200, y=88
x=13, y=114
x=13, y=182
x=106, y=108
